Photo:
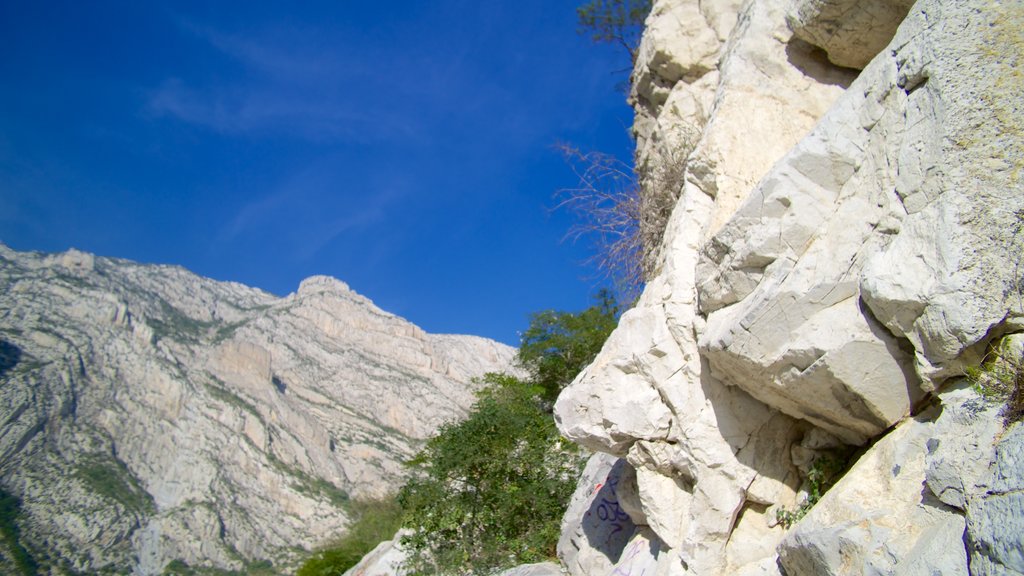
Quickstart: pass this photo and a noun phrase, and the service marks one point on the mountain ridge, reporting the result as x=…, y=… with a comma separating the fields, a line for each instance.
x=154, y=416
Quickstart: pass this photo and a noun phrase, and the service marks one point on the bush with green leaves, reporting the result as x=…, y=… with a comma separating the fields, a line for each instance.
x=558, y=345
x=490, y=491
x=1000, y=378
x=375, y=521
x=824, y=472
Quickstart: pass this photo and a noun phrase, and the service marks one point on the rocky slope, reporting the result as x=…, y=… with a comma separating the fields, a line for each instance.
x=152, y=418
x=847, y=239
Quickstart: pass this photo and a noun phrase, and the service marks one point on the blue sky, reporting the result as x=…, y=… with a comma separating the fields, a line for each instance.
x=404, y=147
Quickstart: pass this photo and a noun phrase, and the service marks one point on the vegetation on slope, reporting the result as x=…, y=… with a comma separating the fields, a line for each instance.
x=375, y=522
x=10, y=536
x=1000, y=378
x=490, y=491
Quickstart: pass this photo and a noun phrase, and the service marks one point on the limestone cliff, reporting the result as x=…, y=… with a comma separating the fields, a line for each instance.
x=152, y=416
x=846, y=240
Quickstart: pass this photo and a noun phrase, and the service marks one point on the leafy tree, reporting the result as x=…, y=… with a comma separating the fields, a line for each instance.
x=559, y=345
x=490, y=491
x=614, y=21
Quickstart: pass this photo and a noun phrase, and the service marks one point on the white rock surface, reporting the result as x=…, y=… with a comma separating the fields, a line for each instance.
x=995, y=511
x=839, y=249
x=909, y=505
x=879, y=515
x=950, y=278
x=851, y=32
x=386, y=559
x=539, y=569
x=150, y=415
x=862, y=213
x=598, y=525
x=706, y=455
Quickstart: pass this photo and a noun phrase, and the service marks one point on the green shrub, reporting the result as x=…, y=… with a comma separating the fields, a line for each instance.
x=823, y=474
x=108, y=477
x=558, y=345
x=10, y=535
x=375, y=522
x=1000, y=378
x=490, y=491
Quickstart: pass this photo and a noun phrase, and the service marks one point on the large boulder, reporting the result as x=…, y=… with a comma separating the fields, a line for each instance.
x=881, y=229
x=941, y=494
x=851, y=32
x=597, y=524
x=710, y=459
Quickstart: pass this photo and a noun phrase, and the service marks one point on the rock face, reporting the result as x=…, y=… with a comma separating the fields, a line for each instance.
x=153, y=418
x=386, y=559
x=851, y=32
x=847, y=239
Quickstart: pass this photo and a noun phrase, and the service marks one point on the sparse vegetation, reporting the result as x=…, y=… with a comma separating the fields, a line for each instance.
x=1000, y=378
x=181, y=568
x=606, y=204
x=178, y=324
x=823, y=474
x=228, y=330
x=10, y=509
x=617, y=22
x=309, y=485
x=108, y=477
x=220, y=392
x=662, y=177
x=374, y=522
x=624, y=211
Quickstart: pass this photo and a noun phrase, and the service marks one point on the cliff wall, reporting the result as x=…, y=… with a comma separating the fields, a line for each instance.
x=846, y=241
x=151, y=416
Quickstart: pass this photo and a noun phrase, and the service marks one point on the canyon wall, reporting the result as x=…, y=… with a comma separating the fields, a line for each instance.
x=846, y=242
x=155, y=419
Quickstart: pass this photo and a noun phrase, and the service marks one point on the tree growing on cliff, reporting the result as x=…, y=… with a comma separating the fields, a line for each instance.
x=614, y=21
x=559, y=345
x=491, y=491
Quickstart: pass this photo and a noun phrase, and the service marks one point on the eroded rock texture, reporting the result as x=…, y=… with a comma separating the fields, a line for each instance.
x=150, y=415
x=844, y=243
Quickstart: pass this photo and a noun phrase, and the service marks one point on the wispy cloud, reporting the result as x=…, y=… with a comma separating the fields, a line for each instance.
x=255, y=110
x=288, y=83
x=308, y=212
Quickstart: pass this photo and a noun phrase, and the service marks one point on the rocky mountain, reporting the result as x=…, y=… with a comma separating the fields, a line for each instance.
x=154, y=420
x=846, y=241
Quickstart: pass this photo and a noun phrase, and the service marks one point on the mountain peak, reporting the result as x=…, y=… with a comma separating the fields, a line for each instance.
x=226, y=429
x=321, y=283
